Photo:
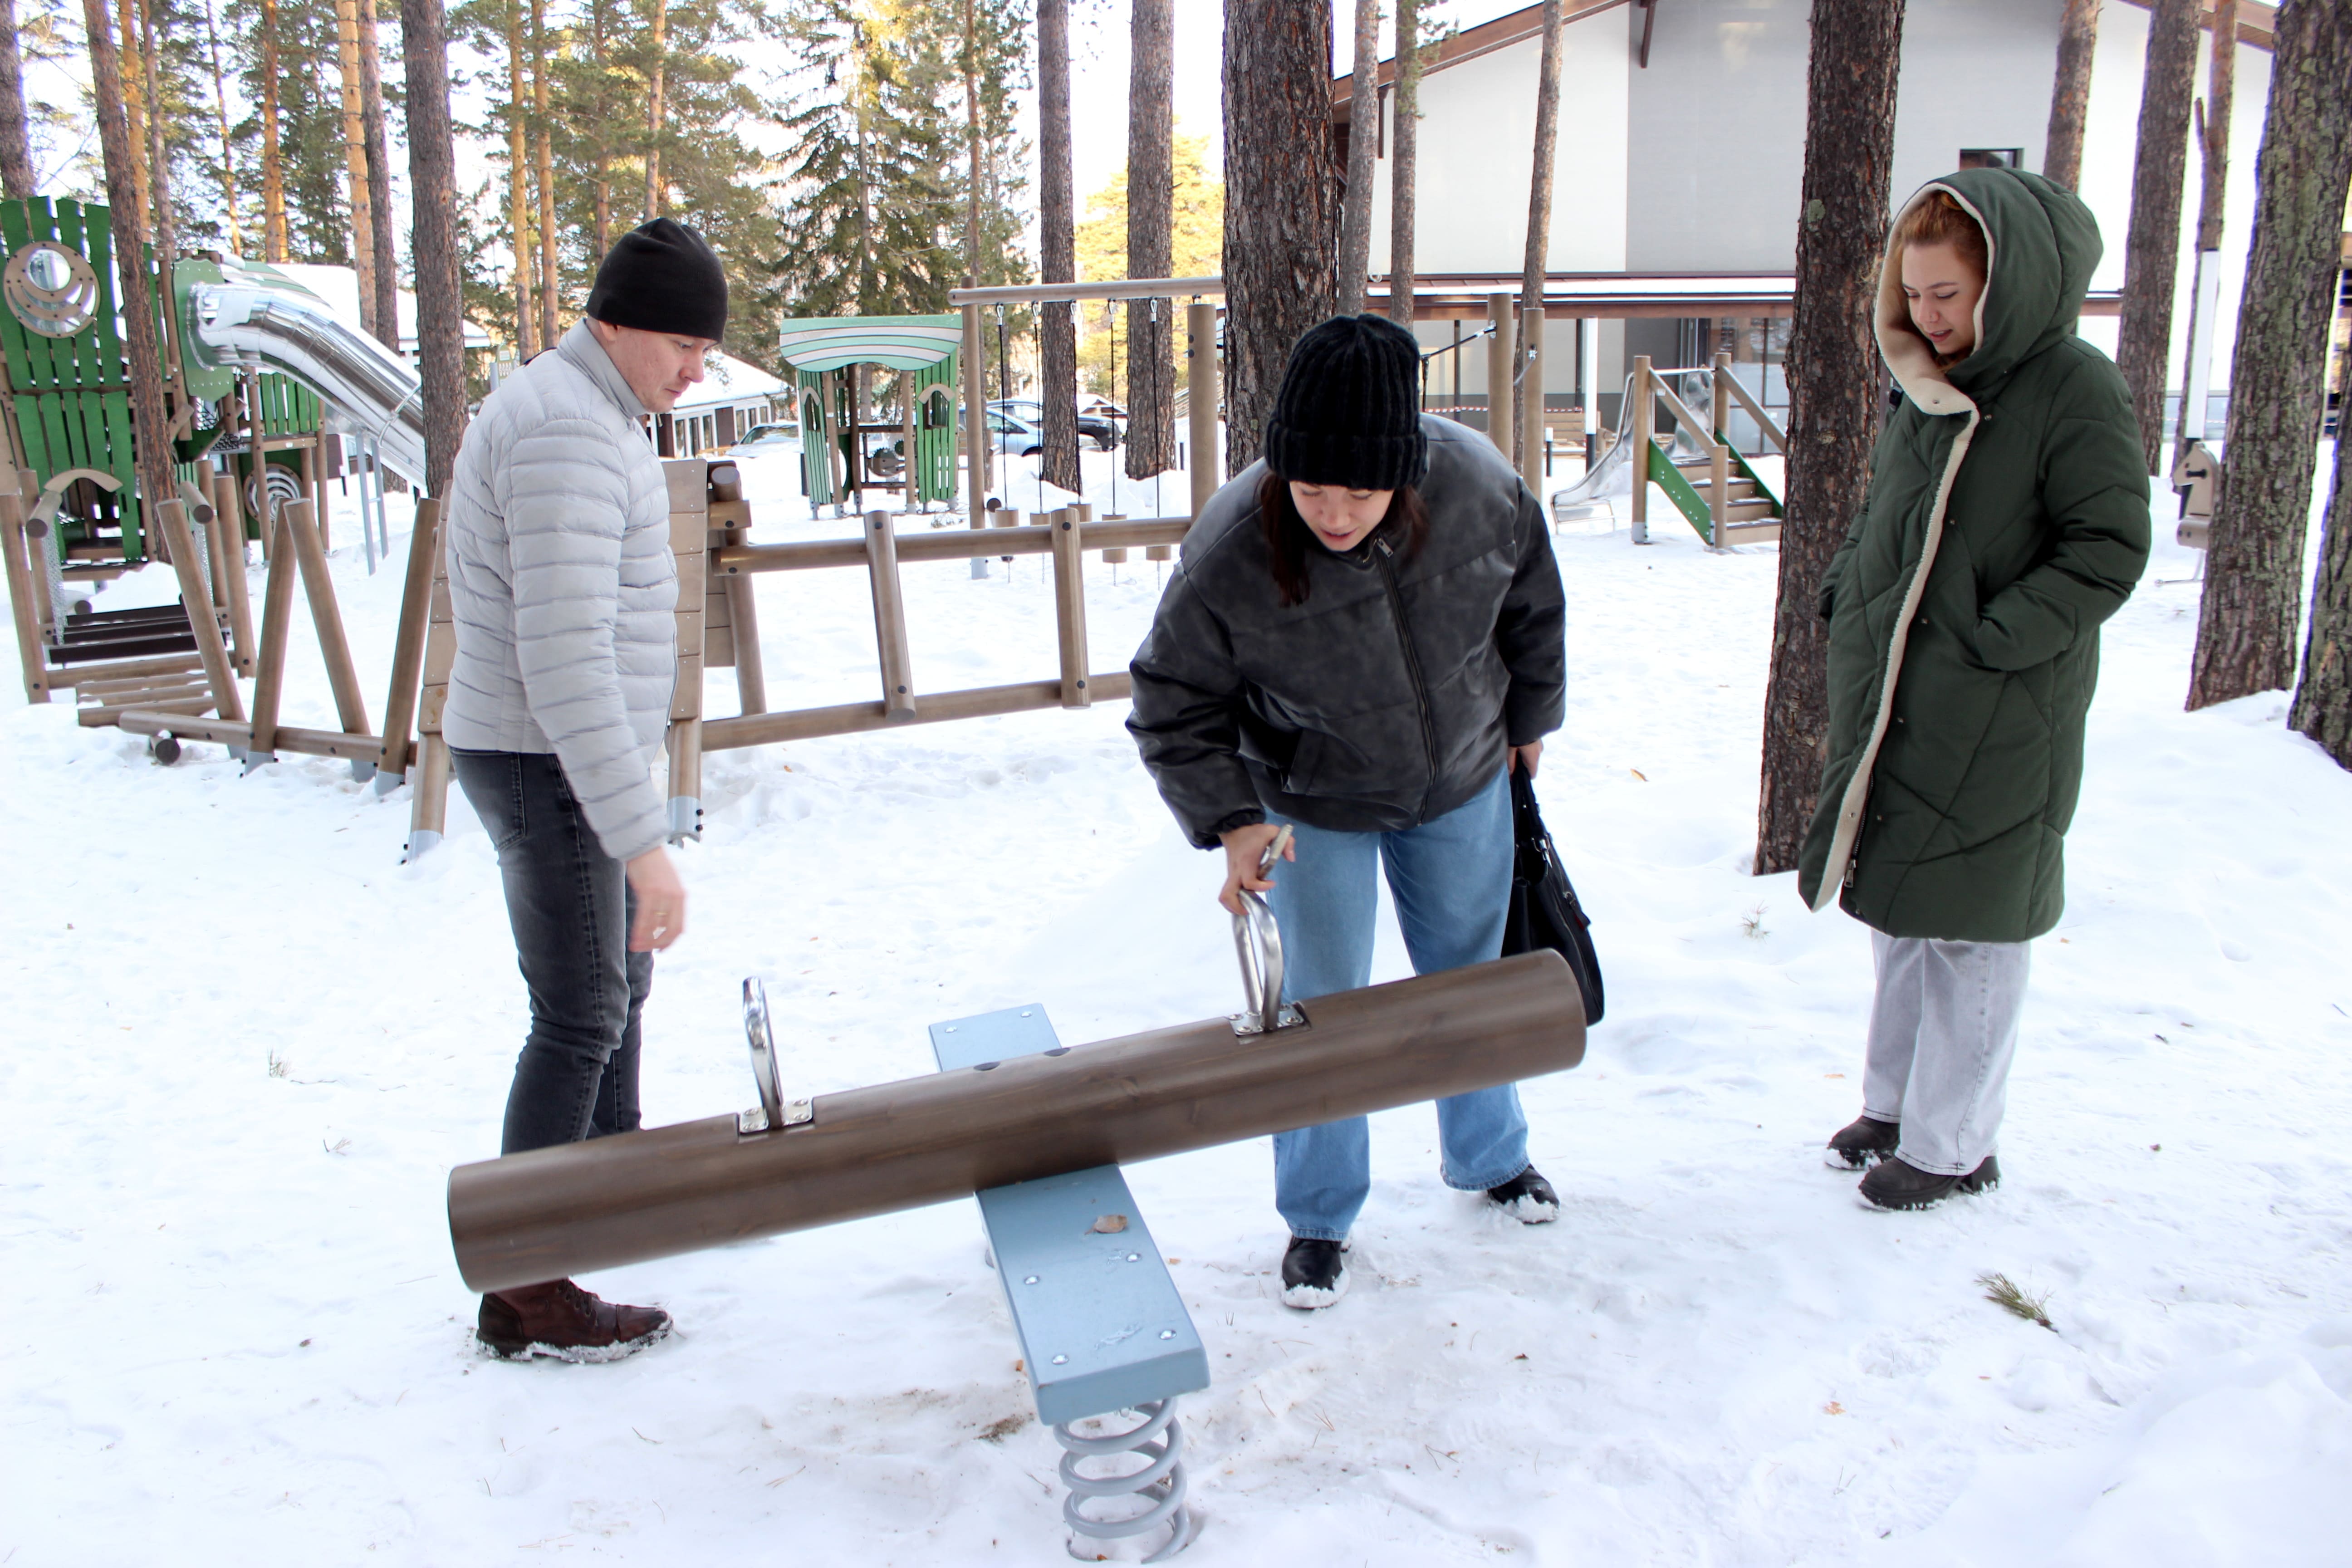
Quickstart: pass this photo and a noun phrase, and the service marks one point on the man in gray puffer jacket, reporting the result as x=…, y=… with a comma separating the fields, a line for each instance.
x=564, y=588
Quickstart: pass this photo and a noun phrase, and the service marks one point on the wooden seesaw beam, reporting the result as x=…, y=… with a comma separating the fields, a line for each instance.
x=555, y=1211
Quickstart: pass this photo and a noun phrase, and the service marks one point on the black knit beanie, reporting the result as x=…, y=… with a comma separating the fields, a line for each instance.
x=1348, y=412
x=662, y=276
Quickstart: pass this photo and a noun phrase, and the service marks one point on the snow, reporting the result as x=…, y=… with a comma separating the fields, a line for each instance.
x=245, y=1045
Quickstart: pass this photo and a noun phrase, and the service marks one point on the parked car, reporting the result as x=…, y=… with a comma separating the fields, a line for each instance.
x=1099, y=428
x=1008, y=431
x=762, y=440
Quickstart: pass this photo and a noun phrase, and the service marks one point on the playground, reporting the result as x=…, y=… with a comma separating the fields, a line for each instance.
x=243, y=1026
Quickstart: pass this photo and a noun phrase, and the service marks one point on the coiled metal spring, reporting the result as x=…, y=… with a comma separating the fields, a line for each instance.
x=1159, y=1439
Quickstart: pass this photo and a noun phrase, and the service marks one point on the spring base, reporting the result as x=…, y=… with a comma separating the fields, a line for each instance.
x=1160, y=1484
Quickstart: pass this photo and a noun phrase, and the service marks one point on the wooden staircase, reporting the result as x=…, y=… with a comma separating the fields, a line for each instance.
x=1715, y=492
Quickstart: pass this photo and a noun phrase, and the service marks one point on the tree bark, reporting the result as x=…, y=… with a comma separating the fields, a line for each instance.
x=600, y=213
x=654, y=111
x=518, y=186
x=551, y=281
x=2069, y=94
x=2152, y=246
x=2253, y=569
x=1281, y=253
x=1404, y=142
x=137, y=300
x=1057, y=246
x=273, y=172
x=979, y=459
x=1538, y=247
x=1833, y=370
x=15, y=136
x=379, y=154
x=134, y=105
x=2323, y=702
x=220, y=109
x=433, y=234
x=1150, y=240
x=1363, y=136
x=355, y=158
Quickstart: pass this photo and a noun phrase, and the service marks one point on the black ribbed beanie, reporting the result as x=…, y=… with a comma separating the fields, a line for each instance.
x=662, y=276
x=1350, y=409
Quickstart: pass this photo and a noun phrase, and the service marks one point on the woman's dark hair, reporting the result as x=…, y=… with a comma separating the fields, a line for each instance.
x=1287, y=537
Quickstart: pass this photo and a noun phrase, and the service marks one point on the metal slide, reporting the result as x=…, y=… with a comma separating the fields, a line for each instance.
x=1608, y=477
x=248, y=317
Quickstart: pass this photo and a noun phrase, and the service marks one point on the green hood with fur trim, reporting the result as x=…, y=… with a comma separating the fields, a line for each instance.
x=2007, y=518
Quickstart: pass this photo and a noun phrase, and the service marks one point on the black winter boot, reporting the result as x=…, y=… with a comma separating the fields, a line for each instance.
x=1862, y=1143
x=1893, y=1183
x=1527, y=1197
x=1313, y=1273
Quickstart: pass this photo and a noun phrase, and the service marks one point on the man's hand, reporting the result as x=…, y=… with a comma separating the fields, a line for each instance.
x=1526, y=756
x=661, y=901
x=1244, y=847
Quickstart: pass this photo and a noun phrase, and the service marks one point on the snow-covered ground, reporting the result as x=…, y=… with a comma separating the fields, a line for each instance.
x=245, y=1046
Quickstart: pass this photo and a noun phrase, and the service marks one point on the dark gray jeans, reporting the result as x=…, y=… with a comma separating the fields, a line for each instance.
x=570, y=905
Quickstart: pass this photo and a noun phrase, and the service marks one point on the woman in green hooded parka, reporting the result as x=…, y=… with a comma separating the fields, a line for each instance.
x=2007, y=518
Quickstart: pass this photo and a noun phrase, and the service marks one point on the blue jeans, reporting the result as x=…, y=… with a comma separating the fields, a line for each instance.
x=570, y=905
x=1450, y=880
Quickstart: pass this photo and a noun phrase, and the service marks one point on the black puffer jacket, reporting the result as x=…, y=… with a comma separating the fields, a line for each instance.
x=1384, y=700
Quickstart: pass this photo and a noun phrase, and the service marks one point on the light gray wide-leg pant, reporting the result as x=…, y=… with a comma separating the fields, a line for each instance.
x=1943, y=1030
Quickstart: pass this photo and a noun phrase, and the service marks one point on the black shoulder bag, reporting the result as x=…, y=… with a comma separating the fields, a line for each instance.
x=1544, y=912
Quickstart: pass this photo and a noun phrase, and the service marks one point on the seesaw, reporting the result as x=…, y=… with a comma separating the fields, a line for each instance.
x=1037, y=1129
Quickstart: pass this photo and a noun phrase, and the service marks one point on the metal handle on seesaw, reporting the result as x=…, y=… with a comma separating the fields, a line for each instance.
x=1257, y=940
x=774, y=1113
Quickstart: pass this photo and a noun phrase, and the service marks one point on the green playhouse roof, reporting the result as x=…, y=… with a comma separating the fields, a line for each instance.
x=900, y=342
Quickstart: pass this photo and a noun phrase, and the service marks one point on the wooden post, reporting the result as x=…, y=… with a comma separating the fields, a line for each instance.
x=1531, y=433
x=408, y=643
x=429, y=815
x=277, y=621
x=911, y=466
x=228, y=548
x=172, y=518
x=975, y=416
x=889, y=615
x=319, y=587
x=1070, y=603
x=1201, y=393
x=21, y=603
x=1498, y=373
x=1645, y=423
x=428, y=810
x=689, y=542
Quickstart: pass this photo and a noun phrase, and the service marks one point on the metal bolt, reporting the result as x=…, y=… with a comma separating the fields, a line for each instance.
x=1061, y=1361
x=1024, y=1011
x=1134, y=1257
x=1031, y=1280
x=950, y=1028
x=1167, y=1333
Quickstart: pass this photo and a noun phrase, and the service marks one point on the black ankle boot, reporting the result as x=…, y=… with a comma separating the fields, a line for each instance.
x=1894, y=1183
x=1862, y=1143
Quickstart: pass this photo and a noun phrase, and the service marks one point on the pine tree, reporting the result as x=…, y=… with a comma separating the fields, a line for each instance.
x=1195, y=236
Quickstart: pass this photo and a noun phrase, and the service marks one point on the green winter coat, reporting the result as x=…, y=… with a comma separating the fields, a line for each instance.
x=2008, y=517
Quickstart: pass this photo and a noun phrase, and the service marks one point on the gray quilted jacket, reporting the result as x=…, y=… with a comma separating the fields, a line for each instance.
x=563, y=589
x=1387, y=698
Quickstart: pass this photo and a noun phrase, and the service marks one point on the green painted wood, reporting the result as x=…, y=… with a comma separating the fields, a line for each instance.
x=1762, y=489
x=1667, y=478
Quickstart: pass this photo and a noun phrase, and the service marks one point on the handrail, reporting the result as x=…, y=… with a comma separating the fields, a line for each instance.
x=1675, y=404
x=1116, y=288
x=1764, y=422
x=944, y=544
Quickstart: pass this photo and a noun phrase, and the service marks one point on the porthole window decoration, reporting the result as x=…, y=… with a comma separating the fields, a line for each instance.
x=51, y=290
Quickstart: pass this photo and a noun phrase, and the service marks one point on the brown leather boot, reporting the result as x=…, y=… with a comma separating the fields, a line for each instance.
x=561, y=1320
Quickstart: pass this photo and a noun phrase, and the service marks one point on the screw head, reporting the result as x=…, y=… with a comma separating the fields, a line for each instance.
x=1167, y=1333
x=1061, y=1361
x=1031, y=1280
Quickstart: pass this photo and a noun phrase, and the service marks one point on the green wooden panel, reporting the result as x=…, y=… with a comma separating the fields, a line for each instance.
x=28, y=423
x=78, y=359
x=98, y=224
x=58, y=432
x=118, y=430
x=16, y=231
x=1667, y=478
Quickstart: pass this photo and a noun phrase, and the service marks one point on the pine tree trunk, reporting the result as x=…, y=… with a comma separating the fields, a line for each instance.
x=163, y=228
x=2069, y=94
x=1538, y=247
x=15, y=137
x=273, y=170
x=1405, y=140
x=220, y=109
x=2254, y=570
x=2152, y=247
x=1151, y=238
x=379, y=154
x=603, y=216
x=2323, y=702
x=654, y=111
x=551, y=282
x=1056, y=245
x=355, y=158
x=1281, y=256
x=433, y=234
x=527, y=341
x=1363, y=136
x=137, y=303
x=134, y=105
x=1834, y=388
